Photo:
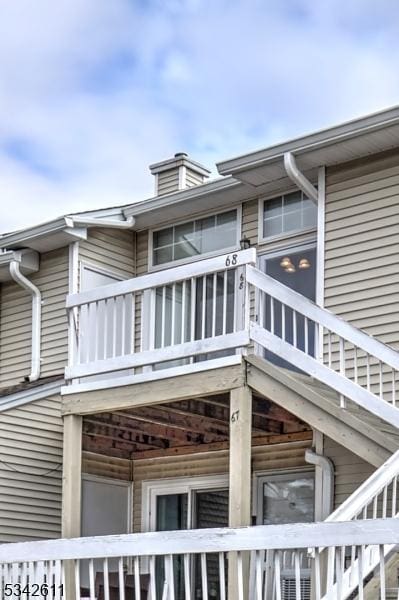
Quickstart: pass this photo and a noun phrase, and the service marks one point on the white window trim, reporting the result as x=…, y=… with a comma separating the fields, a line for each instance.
x=120, y=483
x=182, y=261
x=181, y=485
x=280, y=236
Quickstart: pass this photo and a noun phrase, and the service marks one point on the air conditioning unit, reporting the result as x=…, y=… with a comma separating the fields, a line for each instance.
x=288, y=585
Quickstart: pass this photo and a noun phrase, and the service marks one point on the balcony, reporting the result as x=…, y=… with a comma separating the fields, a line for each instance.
x=323, y=561
x=190, y=318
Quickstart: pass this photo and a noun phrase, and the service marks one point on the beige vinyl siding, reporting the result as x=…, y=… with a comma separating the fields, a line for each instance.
x=250, y=217
x=30, y=446
x=16, y=321
x=350, y=470
x=264, y=458
x=361, y=249
x=168, y=181
x=106, y=466
x=110, y=249
x=193, y=178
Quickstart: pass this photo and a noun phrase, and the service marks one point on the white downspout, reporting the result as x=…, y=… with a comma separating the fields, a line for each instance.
x=36, y=317
x=299, y=178
x=327, y=469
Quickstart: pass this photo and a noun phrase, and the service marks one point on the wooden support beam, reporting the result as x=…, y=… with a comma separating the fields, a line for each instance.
x=240, y=457
x=239, y=479
x=71, y=477
x=191, y=385
x=265, y=440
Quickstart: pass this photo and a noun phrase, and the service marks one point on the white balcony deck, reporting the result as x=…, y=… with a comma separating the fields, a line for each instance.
x=190, y=318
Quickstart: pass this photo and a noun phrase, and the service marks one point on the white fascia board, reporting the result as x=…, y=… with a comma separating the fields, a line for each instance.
x=197, y=191
x=30, y=395
x=318, y=139
x=22, y=237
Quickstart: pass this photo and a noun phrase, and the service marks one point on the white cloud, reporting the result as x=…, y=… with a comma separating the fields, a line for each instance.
x=92, y=92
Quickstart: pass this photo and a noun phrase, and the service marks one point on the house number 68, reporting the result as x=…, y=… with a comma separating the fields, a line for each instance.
x=234, y=416
x=231, y=261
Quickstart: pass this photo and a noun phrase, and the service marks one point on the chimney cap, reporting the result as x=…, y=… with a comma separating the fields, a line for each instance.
x=180, y=159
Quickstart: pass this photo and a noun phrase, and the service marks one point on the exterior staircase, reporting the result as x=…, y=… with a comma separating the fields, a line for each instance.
x=348, y=392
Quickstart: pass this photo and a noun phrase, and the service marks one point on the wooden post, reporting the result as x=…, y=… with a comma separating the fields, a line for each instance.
x=71, y=490
x=240, y=477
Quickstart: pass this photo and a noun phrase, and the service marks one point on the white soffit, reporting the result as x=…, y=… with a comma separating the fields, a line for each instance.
x=353, y=140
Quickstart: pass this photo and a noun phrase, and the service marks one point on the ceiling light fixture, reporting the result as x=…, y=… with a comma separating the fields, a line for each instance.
x=285, y=262
x=304, y=263
x=290, y=269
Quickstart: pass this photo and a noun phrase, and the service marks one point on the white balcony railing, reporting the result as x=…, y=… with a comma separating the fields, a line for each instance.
x=174, y=318
x=256, y=562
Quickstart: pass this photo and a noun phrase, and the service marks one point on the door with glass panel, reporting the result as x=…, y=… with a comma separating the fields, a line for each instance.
x=295, y=268
x=281, y=499
x=199, y=307
x=194, y=509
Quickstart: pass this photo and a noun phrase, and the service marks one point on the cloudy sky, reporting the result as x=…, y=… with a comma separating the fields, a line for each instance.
x=93, y=91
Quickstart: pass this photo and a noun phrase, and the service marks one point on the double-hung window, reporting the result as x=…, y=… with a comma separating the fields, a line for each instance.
x=287, y=214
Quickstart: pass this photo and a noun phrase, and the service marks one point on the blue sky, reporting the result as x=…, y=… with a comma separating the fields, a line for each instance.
x=93, y=91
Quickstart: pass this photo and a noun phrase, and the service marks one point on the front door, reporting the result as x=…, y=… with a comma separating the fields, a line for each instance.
x=295, y=269
x=194, y=509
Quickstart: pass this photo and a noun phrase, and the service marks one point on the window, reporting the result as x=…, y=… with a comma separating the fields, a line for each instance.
x=288, y=213
x=195, y=238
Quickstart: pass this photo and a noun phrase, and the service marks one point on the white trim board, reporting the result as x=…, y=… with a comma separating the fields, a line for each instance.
x=30, y=395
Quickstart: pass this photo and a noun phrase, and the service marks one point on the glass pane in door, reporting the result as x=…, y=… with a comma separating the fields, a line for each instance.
x=296, y=270
x=211, y=509
x=172, y=515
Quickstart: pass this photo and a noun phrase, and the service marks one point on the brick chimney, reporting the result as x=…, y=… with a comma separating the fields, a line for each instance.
x=177, y=173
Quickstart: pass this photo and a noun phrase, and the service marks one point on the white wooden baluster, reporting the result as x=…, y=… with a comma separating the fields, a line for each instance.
x=393, y=387
x=361, y=572
x=355, y=369
x=222, y=576
x=381, y=377
x=224, y=329
x=193, y=300
x=394, y=492
x=123, y=327
x=183, y=311
x=214, y=292
x=338, y=571
x=137, y=587
x=283, y=311
x=204, y=577
x=92, y=580
x=277, y=575
x=382, y=573
x=294, y=329
x=170, y=576
x=385, y=502
x=114, y=326
x=317, y=579
x=173, y=320
x=342, y=366
x=77, y=579
x=258, y=573
x=187, y=577
x=153, y=580
x=306, y=334
x=329, y=349
x=121, y=577
x=203, y=330
x=163, y=320
x=297, y=576
x=272, y=320
x=368, y=370
x=106, y=579
x=240, y=577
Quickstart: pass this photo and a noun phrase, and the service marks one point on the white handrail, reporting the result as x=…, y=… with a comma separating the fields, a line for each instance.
x=195, y=541
x=369, y=489
x=323, y=317
x=164, y=277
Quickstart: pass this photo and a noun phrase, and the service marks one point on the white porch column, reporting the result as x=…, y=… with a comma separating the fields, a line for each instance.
x=71, y=491
x=239, y=475
x=72, y=476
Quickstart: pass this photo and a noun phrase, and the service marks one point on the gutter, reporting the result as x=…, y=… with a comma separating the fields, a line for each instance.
x=27, y=285
x=299, y=178
x=327, y=469
x=76, y=221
